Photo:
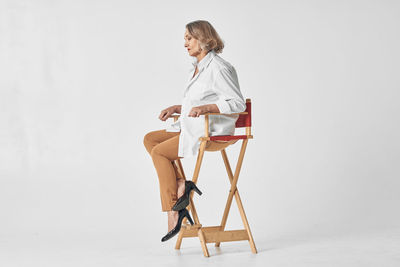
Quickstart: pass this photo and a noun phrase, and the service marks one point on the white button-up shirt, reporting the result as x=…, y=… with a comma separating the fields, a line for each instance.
x=215, y=83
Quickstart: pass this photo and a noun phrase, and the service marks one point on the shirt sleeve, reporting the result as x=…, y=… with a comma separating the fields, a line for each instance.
x=230, y=99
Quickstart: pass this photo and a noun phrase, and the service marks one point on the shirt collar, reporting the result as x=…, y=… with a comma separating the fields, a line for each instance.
x=205, y=60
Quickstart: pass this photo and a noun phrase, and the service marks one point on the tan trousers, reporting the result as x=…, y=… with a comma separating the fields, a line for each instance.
x=163, y=148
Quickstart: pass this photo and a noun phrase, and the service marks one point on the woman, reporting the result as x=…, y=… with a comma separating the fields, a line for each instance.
x=212, y=87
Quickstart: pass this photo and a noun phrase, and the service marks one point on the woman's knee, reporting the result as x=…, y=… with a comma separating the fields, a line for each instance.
x=164, y=148
x=148, y=141
x=153, y=135
x=155, y=151
x=147, y=138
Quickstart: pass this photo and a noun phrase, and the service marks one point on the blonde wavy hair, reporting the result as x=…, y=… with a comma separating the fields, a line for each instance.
x=207, y=36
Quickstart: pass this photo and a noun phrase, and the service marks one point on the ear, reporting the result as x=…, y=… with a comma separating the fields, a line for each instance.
x=201, y=46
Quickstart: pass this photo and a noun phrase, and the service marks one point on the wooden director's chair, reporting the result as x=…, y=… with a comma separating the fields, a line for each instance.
x=217, y=234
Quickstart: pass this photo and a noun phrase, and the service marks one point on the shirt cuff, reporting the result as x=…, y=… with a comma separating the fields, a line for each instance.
x=223, y=106
x=174, y=127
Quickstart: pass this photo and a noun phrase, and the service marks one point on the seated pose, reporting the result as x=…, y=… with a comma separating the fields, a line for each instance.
x=212, y=87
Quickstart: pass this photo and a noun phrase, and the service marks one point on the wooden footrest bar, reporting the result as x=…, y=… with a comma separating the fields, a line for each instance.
x=214, y=234
x=192, y=231
x=226, y=236
x=190, y=228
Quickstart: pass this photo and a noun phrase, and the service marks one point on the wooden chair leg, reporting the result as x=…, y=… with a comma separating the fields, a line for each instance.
x=199, y=161
x=245, y=222
x=194, y=180
x=179, y=239
x=229, y=200
x=191, y=206
x=203, y=243
x=233, y=180
x=179, y=164
x=234, y=192
x=180, y=235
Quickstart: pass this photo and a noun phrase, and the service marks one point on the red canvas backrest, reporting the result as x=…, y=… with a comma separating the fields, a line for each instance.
x=245, y=120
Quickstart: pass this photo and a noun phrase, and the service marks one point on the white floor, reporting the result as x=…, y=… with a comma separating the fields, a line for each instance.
x=370, y=248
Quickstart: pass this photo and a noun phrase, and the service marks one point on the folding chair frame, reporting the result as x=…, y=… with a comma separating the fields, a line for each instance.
x=218, y=234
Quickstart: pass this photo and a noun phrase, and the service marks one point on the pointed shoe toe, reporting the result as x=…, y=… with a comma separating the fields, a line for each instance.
x=182, y=214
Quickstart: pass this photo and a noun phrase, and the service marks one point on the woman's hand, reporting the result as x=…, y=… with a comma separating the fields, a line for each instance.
x=166, y=113
x=197, y=111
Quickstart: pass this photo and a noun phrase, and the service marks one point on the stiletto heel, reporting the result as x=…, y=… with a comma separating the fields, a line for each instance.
x=189, y=218
x=183, y=201
x=182, y=214
x=196, y=189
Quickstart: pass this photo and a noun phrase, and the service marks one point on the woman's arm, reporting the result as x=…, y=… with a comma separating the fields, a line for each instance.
x=178, y=108
x=226, y=85
x=230, y=99
x=197, y=111
x=166, y=113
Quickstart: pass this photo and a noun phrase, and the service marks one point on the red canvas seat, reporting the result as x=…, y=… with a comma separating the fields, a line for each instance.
x=227, y=137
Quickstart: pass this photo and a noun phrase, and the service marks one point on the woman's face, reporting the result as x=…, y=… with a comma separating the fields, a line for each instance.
x=191, y=44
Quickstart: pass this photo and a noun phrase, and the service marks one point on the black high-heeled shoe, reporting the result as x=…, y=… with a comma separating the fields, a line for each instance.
x=183, y=201
x=182, y=214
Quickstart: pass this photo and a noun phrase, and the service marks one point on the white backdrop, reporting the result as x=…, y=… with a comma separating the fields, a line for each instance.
x=83, y=81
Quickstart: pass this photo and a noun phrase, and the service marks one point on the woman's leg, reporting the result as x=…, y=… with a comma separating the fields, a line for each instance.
x=163, y=167
x=163, y=155
x=180, y=181
x=153, y=138
x=164, y=151
x=177, y=172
